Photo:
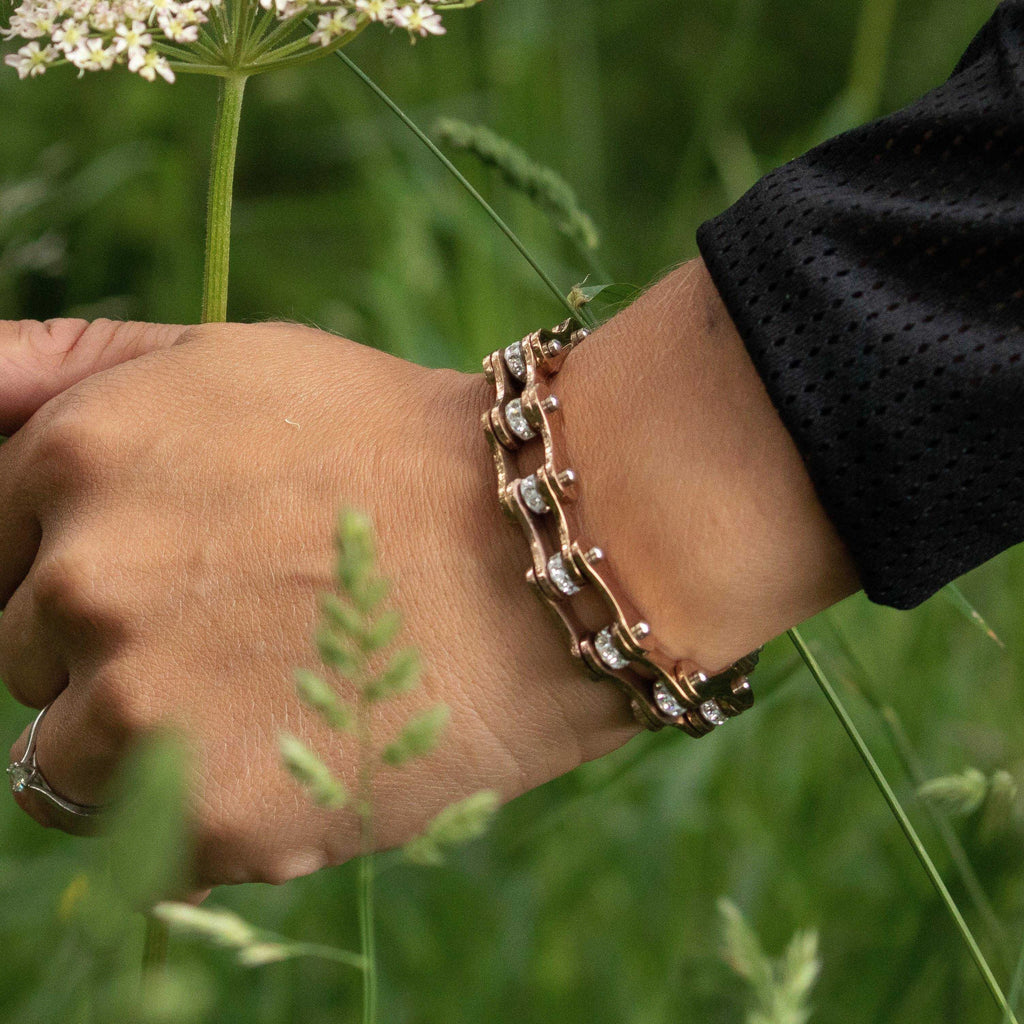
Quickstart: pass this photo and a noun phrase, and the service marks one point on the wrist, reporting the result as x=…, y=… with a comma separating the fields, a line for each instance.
x=689, y=480
x=569, y=717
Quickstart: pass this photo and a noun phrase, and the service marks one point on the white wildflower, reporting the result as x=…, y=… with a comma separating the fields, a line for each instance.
x=104, y=17
x=154, y=37
x=278, y=6
x=30, y=60
x=70, y=36
x=377, y=10
x=333, y=26
x=132, y=38
x=422, y=19
x=175, y=28
x=150, y=64
x=92, y=55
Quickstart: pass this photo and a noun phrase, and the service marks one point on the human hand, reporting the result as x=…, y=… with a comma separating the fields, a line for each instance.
x=165, y=529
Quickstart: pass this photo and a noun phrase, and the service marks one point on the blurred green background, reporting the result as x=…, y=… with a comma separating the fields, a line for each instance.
x=594, y=898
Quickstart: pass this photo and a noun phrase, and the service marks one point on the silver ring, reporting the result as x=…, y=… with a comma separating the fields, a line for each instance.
x=25, y=774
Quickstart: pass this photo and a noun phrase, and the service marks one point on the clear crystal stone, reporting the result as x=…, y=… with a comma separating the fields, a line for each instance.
x=517, y=421
x=607, y=649
x=713, y=713
x=559, y=575
x=666, y=701
x=531, y=495
x=515, y=361
x=20, y=777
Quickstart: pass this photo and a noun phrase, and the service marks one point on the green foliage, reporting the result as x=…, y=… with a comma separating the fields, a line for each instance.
x=309, y=770
x=458, y=823
x=252, y=947
x=594, y=888
x=548, y=189
x=960, y=795
x=322, y=699
x=964, y=794
x=781, y=988
x=419, y=737
x=401, y=676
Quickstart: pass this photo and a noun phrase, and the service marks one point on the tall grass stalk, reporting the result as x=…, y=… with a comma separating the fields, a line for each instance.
x=905, y=824
x=581, y=314
x=364, y=806
x=911, y=762
x=1015, y=986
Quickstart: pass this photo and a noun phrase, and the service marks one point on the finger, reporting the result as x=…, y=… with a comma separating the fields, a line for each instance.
x=78, y=749
x=40, y=360
x=31, y=665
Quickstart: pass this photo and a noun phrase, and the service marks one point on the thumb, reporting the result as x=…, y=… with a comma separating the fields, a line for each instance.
x=40, y=360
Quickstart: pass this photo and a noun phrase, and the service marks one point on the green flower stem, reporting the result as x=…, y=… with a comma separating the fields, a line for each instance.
x=905, y=824
x=218, y=210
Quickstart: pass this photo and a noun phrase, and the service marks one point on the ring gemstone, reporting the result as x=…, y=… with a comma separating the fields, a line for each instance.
x=20, y=776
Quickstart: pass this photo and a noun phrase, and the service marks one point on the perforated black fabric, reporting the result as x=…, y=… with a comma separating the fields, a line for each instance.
x=878, y=283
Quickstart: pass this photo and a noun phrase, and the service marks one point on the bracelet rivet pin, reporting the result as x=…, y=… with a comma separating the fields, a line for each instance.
x=550, y=404
x=641, y=631
x=566, y=477
x=594, y=555
x=554, y=347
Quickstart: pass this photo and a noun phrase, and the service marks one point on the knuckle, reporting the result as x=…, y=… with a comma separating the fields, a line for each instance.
x=77, y=438
x=69, y=587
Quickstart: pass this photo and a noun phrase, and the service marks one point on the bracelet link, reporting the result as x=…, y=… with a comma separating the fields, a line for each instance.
x=662, y=691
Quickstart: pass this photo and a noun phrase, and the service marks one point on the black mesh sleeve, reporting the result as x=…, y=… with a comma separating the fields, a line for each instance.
x=878, y=284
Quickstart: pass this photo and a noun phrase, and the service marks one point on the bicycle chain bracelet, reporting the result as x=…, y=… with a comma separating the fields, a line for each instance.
x=663, y=691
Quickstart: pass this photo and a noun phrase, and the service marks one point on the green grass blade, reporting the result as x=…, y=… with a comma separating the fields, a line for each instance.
x=1015, y=987
x=952, y=593
x=912, y=765
x=367, y=938
x=905, y=824
x=462, y=180
x=540, y=184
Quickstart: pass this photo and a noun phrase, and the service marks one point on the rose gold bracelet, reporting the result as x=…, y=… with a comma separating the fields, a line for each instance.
x=614, y=643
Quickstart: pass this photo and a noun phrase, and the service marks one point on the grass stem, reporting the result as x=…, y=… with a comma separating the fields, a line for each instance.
x=905, y=824
x=366, y=865
x=583, y=315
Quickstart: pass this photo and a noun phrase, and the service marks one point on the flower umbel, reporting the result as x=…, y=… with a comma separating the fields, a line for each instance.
x=218, y=37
